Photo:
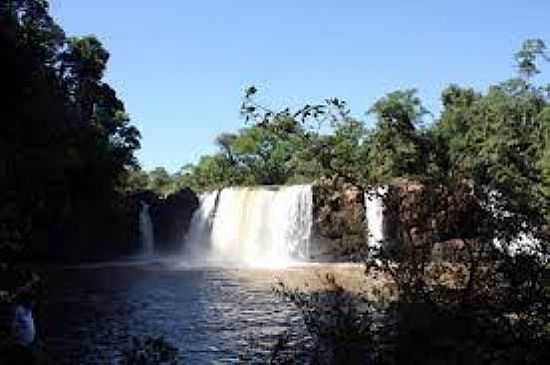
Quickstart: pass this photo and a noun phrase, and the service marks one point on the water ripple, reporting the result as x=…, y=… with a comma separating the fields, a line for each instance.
x=211, y=314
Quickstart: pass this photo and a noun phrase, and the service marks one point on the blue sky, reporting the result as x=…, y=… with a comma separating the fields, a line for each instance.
x=181, y=66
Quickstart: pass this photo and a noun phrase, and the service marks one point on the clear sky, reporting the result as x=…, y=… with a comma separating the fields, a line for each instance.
x=181, y=66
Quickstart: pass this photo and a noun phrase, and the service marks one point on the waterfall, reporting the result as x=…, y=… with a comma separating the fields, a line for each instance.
x=146, y=233
x=253, y=225
x=201, y=226
x=374, y=212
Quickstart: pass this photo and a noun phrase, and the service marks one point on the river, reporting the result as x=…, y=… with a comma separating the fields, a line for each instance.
x=212, y=314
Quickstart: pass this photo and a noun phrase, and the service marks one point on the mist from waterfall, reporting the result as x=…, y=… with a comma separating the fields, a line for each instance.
x=374, y=212
x=146, y=232
x=258, y=226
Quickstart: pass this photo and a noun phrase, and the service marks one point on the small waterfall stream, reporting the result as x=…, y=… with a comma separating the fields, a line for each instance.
x=146, y=232
x=253, y=225
x=374, y=209
x=201, y=226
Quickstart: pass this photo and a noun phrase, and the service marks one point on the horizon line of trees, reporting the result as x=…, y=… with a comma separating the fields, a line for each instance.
x=501, y=135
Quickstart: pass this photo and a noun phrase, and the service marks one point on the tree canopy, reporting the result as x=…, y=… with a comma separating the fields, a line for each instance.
x=65, y=132
x=498, y=137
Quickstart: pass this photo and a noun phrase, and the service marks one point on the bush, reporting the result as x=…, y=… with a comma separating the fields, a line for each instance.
x=344, y=326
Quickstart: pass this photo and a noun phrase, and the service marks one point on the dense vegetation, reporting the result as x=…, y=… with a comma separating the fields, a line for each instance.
x=66, y=142
x=66, y=138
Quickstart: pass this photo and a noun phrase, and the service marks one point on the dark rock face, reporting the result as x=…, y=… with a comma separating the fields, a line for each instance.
x=100, y=229
x=415, y=214
x=171, y=218
x=421, y=215
x=91, y=229
x=108, y=227
x=338, y=221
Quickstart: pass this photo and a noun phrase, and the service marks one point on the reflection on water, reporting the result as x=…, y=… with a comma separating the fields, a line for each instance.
x=210, y=314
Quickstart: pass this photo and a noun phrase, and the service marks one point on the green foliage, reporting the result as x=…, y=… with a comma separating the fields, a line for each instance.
x=544, y=165
x=65, y=134
x=255, y=155
x=160, y=181
x=283, y=147
x=401, y=110
x=396, y=147
x=342, y=325
x=136, y=180
x=494, y=139
x=526, y=57
x=496, y=142
x=347, y=150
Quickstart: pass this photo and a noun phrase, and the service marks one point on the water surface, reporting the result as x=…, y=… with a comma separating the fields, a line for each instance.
x=212, y=314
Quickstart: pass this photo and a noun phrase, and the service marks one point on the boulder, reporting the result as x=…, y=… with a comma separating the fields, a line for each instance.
x=433, y=216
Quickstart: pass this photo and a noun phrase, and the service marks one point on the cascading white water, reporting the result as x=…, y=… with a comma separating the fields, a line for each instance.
x=374, y=212
x=260, y=226
x=147, y=235
x=198, y=237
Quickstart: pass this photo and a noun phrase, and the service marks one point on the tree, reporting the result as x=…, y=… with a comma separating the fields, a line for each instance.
x=396, y=146
x=136, y=180
x=347, y=150
x=225, y=143
x=266, y=155
x=82, y=66
x=544, y=166
x=160, y=181
x=66, y=138
x=526, y=57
